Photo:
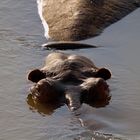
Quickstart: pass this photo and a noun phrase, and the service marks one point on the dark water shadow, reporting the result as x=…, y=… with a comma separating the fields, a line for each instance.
x=67, y=46
x=42, y=108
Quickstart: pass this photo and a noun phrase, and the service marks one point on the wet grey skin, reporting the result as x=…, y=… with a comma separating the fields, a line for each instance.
x=75, y=20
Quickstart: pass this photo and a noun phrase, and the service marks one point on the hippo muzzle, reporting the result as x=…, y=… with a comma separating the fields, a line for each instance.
x=91, y=90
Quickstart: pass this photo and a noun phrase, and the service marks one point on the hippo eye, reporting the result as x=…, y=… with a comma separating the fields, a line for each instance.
x=89, y=73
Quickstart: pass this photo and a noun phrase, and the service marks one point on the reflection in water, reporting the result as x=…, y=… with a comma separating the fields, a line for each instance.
x=41, y=108
x=48, y=108
x=100, y=103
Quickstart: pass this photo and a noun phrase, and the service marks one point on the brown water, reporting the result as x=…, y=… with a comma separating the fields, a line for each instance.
x=21, y=34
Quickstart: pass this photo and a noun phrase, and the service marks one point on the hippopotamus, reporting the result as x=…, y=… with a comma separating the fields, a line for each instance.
x=74, y=20
x=72, y=79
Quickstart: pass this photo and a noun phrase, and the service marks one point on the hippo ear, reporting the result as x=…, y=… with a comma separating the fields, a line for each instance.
x=36, y=75
x=103, y=73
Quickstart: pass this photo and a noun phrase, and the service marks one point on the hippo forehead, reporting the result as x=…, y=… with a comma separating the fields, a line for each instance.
x=70, y=76
x=69, y=69
x=68, y=64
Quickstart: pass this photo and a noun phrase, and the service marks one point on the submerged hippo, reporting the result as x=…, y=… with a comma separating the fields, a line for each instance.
x=73, y=78
x=72, y=20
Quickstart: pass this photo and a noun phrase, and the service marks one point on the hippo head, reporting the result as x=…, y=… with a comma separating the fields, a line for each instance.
x=86, y=90
x=72, y=83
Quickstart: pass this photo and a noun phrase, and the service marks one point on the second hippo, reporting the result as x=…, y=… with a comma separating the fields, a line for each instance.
x=73, y=20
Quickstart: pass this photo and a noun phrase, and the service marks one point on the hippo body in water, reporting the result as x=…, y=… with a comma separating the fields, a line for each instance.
x=73, y=78
x=73, y=20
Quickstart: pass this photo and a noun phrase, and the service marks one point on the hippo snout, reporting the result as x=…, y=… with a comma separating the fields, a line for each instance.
x=95, y=89
x=46, y=91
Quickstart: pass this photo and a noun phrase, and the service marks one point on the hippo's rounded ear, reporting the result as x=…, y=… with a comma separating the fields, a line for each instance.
x=103, y=73
x=36, y=75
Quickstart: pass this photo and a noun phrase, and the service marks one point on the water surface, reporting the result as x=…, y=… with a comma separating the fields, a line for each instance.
x=21, y=35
